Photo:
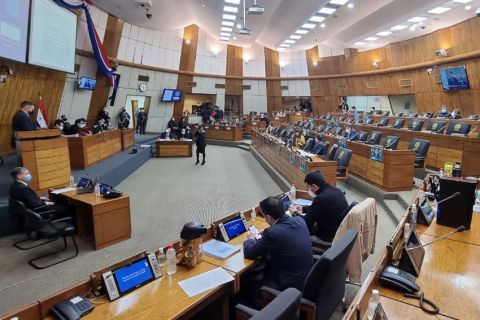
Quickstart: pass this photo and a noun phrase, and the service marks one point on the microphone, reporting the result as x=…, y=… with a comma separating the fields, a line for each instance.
x=471, y=131
x=459, y=229
x=366, y=142
x=354, y=136
x=456, y=194
x=390, y=144
x=443, y=127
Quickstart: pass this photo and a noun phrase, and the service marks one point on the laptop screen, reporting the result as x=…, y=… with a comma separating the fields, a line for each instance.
x=84, y=183
x=286, y=201
x=234, y=227
x=133, y=275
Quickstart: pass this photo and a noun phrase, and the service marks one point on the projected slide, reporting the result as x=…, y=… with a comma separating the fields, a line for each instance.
x=13, y=29
x=53, y=32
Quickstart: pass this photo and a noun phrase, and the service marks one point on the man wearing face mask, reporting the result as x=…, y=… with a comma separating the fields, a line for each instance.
x=325, y=214
x=167, y=135
x=101, y=126
x=67, y=126
x=183, y=134
x=286, y=245
x=172, y=125
x=350, y=133
x=103, y=114
x=81, y=127
x=188, y=133
x=124, y=121
x=443, y=112
x=20, y=191
x=201, y=144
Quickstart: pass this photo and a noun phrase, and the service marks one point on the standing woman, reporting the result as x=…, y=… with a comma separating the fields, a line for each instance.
x=201, y=144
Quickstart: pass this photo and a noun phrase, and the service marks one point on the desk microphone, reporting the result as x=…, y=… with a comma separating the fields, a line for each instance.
x=354, y=136
x=459, y=229
x=441, y=128
x=390, y=144
x=456, y=194
x=471, y=131
x=366, y=142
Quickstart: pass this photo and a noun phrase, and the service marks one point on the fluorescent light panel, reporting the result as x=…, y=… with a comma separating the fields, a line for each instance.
x=399, y=27
x=232, y=1
x=230, y=9
x=327, y=10
x=360, y=43
x=371, y=39
x=289, y=41
x=462, y=1
x=317, y=19
x=301, y=31
x=229, y=17
x=284, y=45
x=417, y=19
x=225, y=34
x=439, y=10
x=309, y=25
x=339, y=2
x=227, y=23
x=224, y=38
x=227, y=29
x=384, y=33
x=295, y=36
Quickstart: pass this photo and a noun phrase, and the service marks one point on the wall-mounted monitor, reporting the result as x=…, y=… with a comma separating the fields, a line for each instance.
x=171, y=95
x=53, y=32
x=87, y=83
x=454, y=79
x=14, y=29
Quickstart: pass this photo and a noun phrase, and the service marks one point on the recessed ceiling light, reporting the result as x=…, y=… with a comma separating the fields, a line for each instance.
x=301, y=31
x=339, y=2
x=234, y=38
x=417, y=19
x=323, y=25
x=398, y=27
x=289, y=41
x=360, y=43
x=229, y=17
x=295, y=36
x=462, y=1
x=225, y=34
x=233, y=1
x=439, y=10
x=371, y=39
x=224, y=38
x=308, y=25
x=317, y=19
x=384, y=33
x=239, y=25
x=228, y=29
x=203, y=5
x=227, y=23
x=350, y=5
x=284, y=45
x=327, y=10
x=280, y=49
x=468, y=7
x=230, y=9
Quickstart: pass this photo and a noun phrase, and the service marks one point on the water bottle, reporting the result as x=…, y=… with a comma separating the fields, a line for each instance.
x=406, y=232
x=293, y=193
x=162, y=259
x=97, y=187
x=171, y=260
x=253, y=215
x=441, y=173
x=372, y=304
x=413, y=217
x=72, y=182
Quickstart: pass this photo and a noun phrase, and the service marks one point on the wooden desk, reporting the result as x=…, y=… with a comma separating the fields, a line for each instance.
x=173, y=148
x=128, y=138
x=278, y=120
x=297, y=116
x=107, y=220
x=255, y=124
x=223, y=133
x=291, y=165
x=88, y=150
x=45, y=154
x=403, y=311
x=395, y=173
x=471, y=236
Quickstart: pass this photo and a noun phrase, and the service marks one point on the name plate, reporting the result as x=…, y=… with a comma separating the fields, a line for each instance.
x=279, y=148
x=254, y=123
x=217, y=128
x=228, y=128
x=298, y=114
x=292, y=158
x=277, y=118
x=303, y=165
x=342, y=142
x=376, y=153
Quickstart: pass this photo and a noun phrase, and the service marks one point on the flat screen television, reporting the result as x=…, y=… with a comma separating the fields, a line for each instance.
x=87, y=83
x=454, y=79
x=171, y=95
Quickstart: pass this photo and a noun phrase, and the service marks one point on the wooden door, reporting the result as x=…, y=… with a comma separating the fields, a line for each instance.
x=134, y=113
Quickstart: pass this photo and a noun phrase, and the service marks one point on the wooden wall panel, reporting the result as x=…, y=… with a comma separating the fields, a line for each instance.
x=27, y=83
x=272, y=69
x=111, y=42
x=233, y=87
x=187, y=63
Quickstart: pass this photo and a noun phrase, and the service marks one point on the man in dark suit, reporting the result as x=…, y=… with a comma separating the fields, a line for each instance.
x=22, y=122
x=286, y=245
x=325, y=214
x=20, y=191
x=201, y=144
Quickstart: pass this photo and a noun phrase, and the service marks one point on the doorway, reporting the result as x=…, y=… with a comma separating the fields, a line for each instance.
x=233, y=105
x=135, y=103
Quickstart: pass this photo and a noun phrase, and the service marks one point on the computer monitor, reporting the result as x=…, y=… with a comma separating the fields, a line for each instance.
x=285, y=201
x=133, y=275
x=104, y=188
x=84, y=183
x=235, y=227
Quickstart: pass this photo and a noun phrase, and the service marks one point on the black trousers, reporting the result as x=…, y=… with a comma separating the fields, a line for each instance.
x=200, y=151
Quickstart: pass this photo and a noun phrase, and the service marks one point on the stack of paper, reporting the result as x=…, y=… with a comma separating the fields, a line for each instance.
x=205, y=281
x=219, y=249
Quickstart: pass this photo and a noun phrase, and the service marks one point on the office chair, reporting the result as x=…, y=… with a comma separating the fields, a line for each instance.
x=309, y=144
x=368, y=121
x=391, y=142
x=332, y=152
x=298, y=123
x=283, y=307
x=379, y=112
x=399, y=114
x=324, y=286
x=374, y=138
x=323, y=151
x=386, y=113
x=421, y=150
x=341, y=119
x=359, y=121
x=338, y=131
x=458, y=128
x=40, y=226
x=398, y=124
x=320, y=128
x=350, y=120
x=473, y=117
x=383, y=122
x=329, y=117
x=415, y=125
x=437, y=127
x=362, y=136
x=342, y=156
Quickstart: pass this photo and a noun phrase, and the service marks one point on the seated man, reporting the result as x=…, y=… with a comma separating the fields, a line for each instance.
x=167, y=135
x=318, y=146
x=183, y=135
x=350, y=133
x=287, y=245
x=325, y=214
x=20, y=191
x=101, y=126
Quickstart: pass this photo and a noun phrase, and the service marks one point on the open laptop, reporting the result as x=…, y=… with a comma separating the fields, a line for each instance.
x=286, y=203
x=85, y=185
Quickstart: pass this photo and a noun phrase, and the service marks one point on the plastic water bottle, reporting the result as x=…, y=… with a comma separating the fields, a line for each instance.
x=372, y=304
x=441, y=173
x=97, y=187
x=406, y=232
x=162, y=259
x=171, y=260
x=293, y=193
x=72, y=182
x=253, y=215
x=413, y=217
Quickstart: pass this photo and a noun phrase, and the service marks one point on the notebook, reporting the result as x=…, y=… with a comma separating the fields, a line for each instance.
x=219, y=249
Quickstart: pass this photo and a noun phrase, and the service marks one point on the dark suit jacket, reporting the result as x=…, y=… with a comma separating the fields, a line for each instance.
x=288, y=245
x=327, y=212
x=25, y=194
x=22, y=122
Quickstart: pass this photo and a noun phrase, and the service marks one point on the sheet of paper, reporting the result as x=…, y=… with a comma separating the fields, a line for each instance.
x=219, y=249
x=205, y=281
x=62, y=190
x=303, y=202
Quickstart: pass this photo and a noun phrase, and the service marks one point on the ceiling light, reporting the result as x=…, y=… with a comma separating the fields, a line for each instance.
x=327, y=10
x=224, y=38
x=439, y=10
x=350, y=5
x=280, y=49
x=225, y=34
x=203, y=5
x=239, y=25
x=228, y=29
x=227, y=23
x=317, y=19
x=462, y=1
x=339, y=2
x=289, y=41
x=360, y=43
x=323, y=25
x=229, y=17
x=234, y=38
x=283, y=63
x=468, y=7
x=384, y=33
x=187, y=41
x=233, y=1
x=417, y=19
x=315, y=62
x=371, y=39
x=413, y=28
x=398, y=27
x=230, y=9
x=301, y=31
x=295, y=36
x=284, y=45
x=308, y=25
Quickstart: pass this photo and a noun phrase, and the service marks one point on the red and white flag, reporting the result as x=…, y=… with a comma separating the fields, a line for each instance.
x=42, y=115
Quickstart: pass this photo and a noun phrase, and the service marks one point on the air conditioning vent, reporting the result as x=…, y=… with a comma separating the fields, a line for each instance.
x=406, y=82
x=219, y=86
x=283, y=87
x=372, y=85
x=143, y=78
x=191, y=84
x=246, y=87
x=341, y=86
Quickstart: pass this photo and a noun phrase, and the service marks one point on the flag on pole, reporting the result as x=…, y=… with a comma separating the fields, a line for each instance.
x=42, y=115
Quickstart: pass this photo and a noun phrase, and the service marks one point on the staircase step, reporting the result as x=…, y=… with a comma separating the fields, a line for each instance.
x=243, y=147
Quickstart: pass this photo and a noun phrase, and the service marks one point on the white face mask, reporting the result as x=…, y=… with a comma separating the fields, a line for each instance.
x=82, y=125
x=311, y=193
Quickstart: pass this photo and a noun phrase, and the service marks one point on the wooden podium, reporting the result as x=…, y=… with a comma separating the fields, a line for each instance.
x=45, y=154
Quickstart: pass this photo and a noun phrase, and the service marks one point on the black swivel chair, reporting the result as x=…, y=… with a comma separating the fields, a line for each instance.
x=421, y=150
x=391, y=142
x=343, y=156
x=398, y=124
x=415, y=125
x=320, y=128
x=436, y=127
x=362, y=136
x=338, y=131
x=383, y=122
x=458, y=128
x=42, y=226
x=324, y=286
x=309, y=144
x=359, y=121
x=341, y=119
x=323, y=152
x=283, y=307
x=386, y=113
x=332, y=152
x=374, y=138
x=368, y=121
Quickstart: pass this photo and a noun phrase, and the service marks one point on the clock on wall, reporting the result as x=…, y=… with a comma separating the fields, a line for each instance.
x=142, y=87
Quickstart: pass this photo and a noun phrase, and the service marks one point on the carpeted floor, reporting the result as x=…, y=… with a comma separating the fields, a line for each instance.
x=165, y=194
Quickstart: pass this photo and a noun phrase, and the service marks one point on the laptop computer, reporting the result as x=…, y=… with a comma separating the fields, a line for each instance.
x=286, y=203
x=104, y=188
x=85, y=185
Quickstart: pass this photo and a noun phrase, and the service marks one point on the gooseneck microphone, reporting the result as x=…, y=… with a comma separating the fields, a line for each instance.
x=456, y=194
x=459, y=229
x=390, y=144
